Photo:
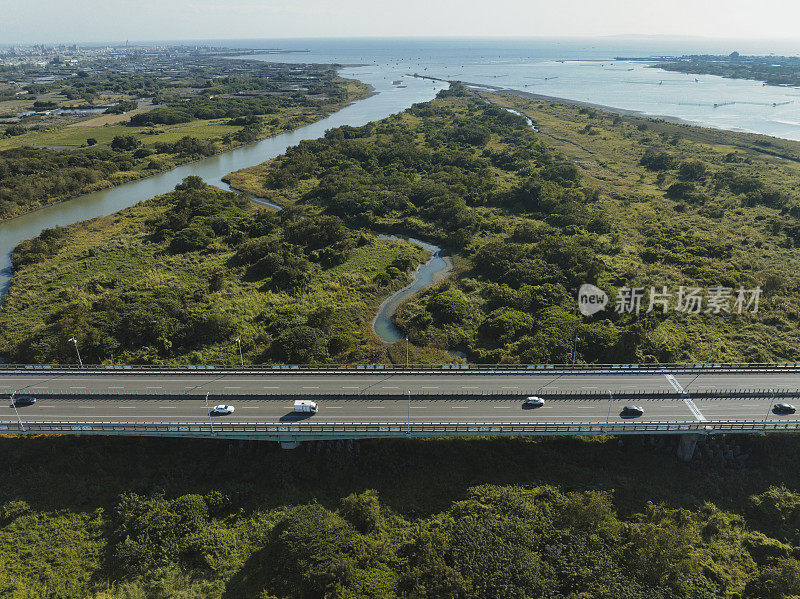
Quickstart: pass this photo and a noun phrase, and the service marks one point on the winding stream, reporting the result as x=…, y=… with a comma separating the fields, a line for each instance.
x=427, y=274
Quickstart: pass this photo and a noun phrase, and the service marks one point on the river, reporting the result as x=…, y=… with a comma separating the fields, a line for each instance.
x=388, y=100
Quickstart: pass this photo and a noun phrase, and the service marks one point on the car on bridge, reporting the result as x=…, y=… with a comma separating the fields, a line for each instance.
x=632, y=411
x=24, y=400
x=222, y=410
x=533, y=402
x=783, y=408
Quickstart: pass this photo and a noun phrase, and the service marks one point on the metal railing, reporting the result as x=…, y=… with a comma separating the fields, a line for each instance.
x=344, y=430
x=133, y=394
x=396, y=368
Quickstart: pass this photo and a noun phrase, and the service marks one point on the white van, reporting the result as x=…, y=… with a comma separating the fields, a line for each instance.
x=305, y=405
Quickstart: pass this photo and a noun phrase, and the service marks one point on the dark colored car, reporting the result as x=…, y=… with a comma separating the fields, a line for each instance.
x=24, y=400
x=631, y=412
x=783, y=408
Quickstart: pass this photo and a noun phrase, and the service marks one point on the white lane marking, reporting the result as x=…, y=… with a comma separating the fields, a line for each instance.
x=391, y=387
x=469, y=387
x=231, y=387
x=333, y=407
x=86, y=407
x=675, y=384
x=419, y=407
x=694, y=409
x=429, y=387
x=348, y=387
x=166, y=407
x=126, y=407
x=271, y=387
x=77, y=387
x=155, y=387
x=124, y=387
x=310, y=387
x=459, y=407
x=249, y=407
x=502, y=407
x=376, y=408
x=686, y=398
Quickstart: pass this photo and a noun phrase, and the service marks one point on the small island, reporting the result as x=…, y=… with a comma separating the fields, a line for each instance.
x=772, y=70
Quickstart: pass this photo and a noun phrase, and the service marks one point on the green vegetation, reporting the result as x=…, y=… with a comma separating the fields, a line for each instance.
x=594, y=197
x=618, y=202
x=177, y=278
x=773, y=70
x=437, y=518
x=44, y=160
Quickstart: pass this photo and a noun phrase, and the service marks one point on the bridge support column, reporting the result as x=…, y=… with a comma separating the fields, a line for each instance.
x=289, y=444
x=686, y=446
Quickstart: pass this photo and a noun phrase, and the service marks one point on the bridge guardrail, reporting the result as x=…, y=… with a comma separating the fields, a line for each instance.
x=397, y=428
x=438, y=395
x=395, y=368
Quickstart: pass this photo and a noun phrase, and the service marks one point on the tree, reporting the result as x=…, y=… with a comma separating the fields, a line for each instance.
x=122, y=143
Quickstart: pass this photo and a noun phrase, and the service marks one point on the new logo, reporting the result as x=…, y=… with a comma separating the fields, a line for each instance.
x=591, y=299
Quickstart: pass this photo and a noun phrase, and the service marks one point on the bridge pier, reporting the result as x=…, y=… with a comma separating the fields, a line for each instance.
x=289, y=444
x=686, y=446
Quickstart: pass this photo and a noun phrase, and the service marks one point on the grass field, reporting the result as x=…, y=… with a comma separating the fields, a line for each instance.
x=78, y=133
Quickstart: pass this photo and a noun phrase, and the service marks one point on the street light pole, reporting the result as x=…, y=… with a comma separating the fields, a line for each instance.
x=241, y=357
x=608, y=416
x=14, y=405
x=769, y=409
x=575, y=349
x=210, y=418
x=408, y=430
x=75, y=341
x=711, y=351
x=406, y=352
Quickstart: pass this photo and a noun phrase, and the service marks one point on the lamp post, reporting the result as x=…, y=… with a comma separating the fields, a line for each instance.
x=408, y=429
x=75, y=341
x=406, y=352
x=241, y=357
x=711, y=351
x=14, y=405
x=575, y=349
x=769, y=409
x=210, y=418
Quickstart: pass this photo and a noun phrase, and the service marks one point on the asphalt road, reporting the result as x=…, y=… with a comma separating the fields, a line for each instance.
x=142, y=397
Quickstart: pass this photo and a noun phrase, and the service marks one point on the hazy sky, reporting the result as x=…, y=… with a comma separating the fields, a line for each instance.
x=111, y=20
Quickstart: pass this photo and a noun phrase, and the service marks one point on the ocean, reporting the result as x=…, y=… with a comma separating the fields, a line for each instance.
x=575, y=69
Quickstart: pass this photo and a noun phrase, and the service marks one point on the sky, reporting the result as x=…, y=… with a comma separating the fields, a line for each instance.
x=35, y=21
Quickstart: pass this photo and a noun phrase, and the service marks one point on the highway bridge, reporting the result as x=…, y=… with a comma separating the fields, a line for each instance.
x=374, y=401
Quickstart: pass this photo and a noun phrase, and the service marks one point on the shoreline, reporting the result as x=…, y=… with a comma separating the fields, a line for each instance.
x=486, y=87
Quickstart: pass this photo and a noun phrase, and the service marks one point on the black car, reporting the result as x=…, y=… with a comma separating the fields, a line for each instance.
x=631, y=412
x=783, y=408
x=24, y=400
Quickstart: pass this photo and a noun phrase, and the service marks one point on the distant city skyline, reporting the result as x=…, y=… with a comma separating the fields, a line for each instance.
x=83, y=21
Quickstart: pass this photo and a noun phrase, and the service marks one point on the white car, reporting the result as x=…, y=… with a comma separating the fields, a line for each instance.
x=222, y=410
x=533, y=402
